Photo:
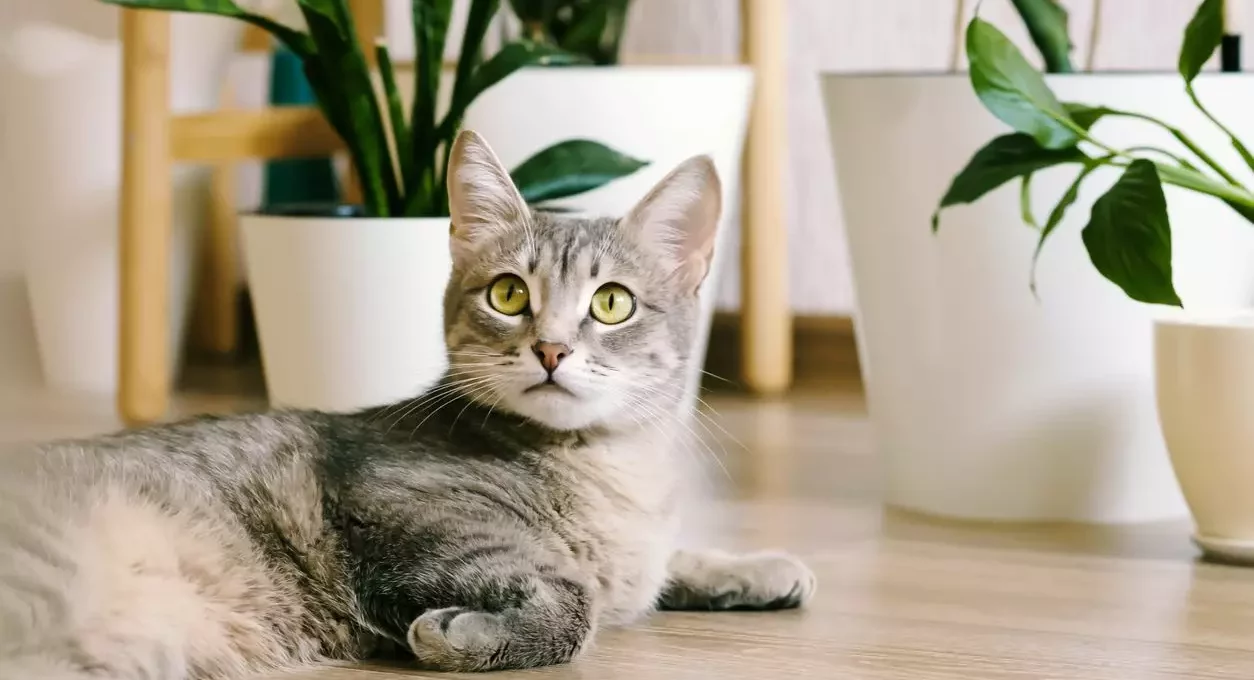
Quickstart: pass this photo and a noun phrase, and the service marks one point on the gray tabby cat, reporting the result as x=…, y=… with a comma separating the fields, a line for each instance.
x=494, y=522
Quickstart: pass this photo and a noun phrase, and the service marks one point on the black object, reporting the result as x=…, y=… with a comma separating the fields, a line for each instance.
x=313, y=210
x=1230, y=54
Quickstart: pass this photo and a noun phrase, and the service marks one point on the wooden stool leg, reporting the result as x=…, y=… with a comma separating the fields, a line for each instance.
x=766, y=318
x=146, y=214
x=216, y=322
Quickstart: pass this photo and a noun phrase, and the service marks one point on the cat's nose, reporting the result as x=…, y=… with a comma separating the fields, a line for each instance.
x=551, y=354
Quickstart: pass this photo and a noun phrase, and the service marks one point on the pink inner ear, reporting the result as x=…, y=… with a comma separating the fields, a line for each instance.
x=483, y=200
x=679, y=217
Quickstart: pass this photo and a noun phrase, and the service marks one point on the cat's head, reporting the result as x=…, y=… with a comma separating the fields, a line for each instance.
x=568, y=321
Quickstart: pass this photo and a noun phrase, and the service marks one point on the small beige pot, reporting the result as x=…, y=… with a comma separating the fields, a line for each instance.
x=1204, y=378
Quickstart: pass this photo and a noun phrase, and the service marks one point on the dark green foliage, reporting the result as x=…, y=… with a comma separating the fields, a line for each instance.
x=591, y=28
x=407, y=178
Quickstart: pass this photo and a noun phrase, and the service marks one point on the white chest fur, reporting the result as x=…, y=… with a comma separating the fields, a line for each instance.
x=627, y=524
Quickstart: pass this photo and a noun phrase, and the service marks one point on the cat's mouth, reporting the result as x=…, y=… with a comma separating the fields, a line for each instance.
x=549, y=385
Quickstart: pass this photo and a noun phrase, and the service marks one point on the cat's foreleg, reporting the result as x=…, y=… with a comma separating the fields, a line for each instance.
x=543, y=619
x=716, y=581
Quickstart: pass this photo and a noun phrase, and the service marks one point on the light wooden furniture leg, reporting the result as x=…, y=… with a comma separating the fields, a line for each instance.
x=217, y=326
x=766, y=318
x=146, y=196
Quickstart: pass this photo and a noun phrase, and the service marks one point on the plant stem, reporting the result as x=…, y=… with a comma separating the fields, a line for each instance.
x=1188, y=143
x=1095, y=31
x=960, y=14
x=1184, y=162
x=1236, y=143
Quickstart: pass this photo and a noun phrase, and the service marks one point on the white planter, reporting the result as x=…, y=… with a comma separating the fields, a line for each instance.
x=349, y=310
x=986, y=403
x=659, y=114
x=66, y=138
x=1204, y=380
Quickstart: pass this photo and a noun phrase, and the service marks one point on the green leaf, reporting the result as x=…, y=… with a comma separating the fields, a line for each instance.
x=1192, y=179
x=478, y=19
x=1012, y=90
x=396, y=115
x=1001, y=160
x=1201, y=38
x=1046, y=21
x=1128, y=236
x=514, y=56
x=1025, y=202
x=1085, y=116
x=1060, y=211
x=430, y=22
x=344, y=87
x=1243, y=210
x=594, y=29
x=295, y=40
x=571, y=167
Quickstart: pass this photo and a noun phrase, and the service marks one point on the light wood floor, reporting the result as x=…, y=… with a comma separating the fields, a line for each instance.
x=900, y=597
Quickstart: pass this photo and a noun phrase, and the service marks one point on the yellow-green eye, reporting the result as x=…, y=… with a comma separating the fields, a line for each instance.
x=612, y=304
x=508, y=295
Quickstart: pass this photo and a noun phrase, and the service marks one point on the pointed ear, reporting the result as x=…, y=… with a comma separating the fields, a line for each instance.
x=483, y=201
x=679, y=218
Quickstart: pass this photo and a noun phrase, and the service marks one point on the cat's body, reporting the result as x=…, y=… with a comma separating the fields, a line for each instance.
x=495, y=522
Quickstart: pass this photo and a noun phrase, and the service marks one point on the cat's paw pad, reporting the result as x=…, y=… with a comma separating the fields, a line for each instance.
x=456, y=639
x=774, y=581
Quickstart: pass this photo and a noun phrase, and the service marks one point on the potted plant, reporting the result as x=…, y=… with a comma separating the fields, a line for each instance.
x=665, y=113
x=1008, y=381
x=348, y=297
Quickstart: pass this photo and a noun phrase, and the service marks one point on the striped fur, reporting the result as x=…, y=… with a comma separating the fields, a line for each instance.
x=479, y=526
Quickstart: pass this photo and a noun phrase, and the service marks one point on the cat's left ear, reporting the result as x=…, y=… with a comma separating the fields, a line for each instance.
x=483, y=201
x=679, y=218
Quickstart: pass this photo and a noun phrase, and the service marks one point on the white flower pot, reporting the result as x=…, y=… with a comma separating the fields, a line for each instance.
x=66, y=136
x=987, y=403
x=1204, y=380
x=349, y=311
x=659, y=114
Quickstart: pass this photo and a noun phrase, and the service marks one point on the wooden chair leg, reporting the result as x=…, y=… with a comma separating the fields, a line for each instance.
x=217, y=309
x=766, y=318
x=145, y=218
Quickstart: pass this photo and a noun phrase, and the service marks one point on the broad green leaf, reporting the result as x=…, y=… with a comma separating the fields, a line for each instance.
x=1001, y=160
x=514, y=56
x=1060, y=211
x=295, y=40
x=1012, y=90
x=571, y=167
x=430, y=22
x=1201, y=38
x=1046, y=21
x=1128, y=236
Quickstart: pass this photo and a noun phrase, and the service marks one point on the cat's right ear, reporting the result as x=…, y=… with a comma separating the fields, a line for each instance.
x=483, y=201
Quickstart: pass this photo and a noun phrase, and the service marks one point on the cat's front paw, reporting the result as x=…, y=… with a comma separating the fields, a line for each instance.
x=720, y=581
x=456, y=639
x=775, y=580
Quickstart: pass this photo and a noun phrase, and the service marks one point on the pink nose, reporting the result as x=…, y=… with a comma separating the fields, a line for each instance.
x=550, y=354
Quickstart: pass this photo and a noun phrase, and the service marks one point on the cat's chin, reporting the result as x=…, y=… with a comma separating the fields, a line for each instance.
x=557, y=409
